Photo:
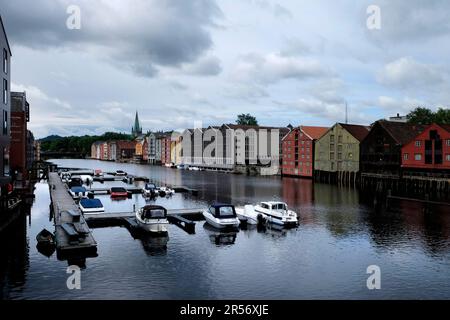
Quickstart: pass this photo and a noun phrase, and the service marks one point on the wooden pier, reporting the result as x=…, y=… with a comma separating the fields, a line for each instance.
x=72, y=234
x=131, y=214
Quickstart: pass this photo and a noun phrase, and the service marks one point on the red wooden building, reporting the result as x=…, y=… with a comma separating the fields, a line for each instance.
x=298, y=150
x=166, y=142
x=429, y=150
x=20, y=116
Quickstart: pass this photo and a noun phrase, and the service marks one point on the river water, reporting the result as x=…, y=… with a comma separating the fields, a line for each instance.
x=326, y=257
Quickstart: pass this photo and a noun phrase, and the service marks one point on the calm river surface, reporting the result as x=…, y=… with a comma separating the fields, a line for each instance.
x=326, y=257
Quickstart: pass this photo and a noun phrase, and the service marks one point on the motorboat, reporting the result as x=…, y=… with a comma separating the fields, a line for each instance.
x=121, y=173
x=170, y=165
x=221, y=216
x=75, y=181
x=87, y=179
x=149, y=190
x=152, y=218
x=183, y=166
x=194, y=168
x=45, y=237
x=250, y=215
x=78, y=192
x=277, y=212
x=91, y=206
x=118, y=192
x=165, y=191
x=65, y=176
x=98, y=173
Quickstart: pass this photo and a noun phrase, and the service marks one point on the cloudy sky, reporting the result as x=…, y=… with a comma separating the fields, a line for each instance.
x=177, y=61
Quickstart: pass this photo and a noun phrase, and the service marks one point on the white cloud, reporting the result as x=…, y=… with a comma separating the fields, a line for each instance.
x=407, y=72
x=37, y=96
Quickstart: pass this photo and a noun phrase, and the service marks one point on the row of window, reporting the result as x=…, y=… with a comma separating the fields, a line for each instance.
x=298, y=164
x=5, y=61
x=297, y=171
x=303, y=156
x=418, y=143
x=418, y=157
x=289, y=142
x=303, y=150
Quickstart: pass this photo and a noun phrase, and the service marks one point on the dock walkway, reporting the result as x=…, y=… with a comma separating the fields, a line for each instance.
x=67, y=214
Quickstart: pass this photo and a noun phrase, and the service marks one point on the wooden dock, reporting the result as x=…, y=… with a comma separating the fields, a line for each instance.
x=72, y=234
x=125, y=215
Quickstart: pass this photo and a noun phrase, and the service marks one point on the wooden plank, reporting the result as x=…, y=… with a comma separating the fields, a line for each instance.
x=124, y=215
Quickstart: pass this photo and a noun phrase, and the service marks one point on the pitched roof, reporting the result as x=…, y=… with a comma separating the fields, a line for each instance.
x=6, y=36
x=357, y=131
x=314, y=132
x=445, y=127
x=401, y=132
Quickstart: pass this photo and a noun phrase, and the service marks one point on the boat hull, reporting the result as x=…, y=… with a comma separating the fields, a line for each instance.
x=221, y=223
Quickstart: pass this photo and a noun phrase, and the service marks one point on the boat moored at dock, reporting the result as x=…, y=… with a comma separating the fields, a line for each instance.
x=221, y=216
x=277, y=212
x=152, y=219
x=78, y=192
x=91, y=206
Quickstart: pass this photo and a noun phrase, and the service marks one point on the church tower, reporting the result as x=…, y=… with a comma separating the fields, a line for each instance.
x=136, y=130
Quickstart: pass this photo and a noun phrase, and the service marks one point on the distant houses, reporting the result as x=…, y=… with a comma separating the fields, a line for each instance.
x=344, y=153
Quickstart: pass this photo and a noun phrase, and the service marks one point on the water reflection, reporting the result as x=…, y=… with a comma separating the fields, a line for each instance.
x=220, y=237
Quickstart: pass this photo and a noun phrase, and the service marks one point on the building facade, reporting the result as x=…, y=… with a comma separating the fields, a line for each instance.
x=20, y=116
x=5, y=109
x=381, y=149
x=298, y=150
x=429, y=151
x=336, y=153
x=166, y=143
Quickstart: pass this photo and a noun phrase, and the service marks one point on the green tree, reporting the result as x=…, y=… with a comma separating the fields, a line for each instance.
x=442, y=116
x=246, y=119
x=421, y=115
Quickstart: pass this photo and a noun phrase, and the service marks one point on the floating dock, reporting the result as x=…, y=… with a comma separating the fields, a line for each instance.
x=72, y=233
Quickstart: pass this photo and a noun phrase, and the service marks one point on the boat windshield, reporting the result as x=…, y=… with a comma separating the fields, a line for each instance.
x=118, y=190
x=149, y=186
x=225, y=212
x=279, y=206
x=153, y=214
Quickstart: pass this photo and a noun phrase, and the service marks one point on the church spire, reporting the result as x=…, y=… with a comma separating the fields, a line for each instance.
x=137, y=129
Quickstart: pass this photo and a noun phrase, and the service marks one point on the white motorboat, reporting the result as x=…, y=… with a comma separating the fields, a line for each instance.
x=152, y=219
x=78, y=192
x=87, y=179
x=194, y=168
x=65, y=176
x=91, y=206
x=221, y=216
x=277, y=212
x=249, y=214
x=149, y=190
x=165, y=191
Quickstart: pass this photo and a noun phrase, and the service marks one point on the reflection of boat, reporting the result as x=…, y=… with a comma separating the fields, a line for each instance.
x=154, y=245
x=248, y=214
x=46, y=250
x=220, y=237
x=152, y=218
x=78, y=192
x=45, y=237
x=91, y=206
x=276, y=212
x=221, y=216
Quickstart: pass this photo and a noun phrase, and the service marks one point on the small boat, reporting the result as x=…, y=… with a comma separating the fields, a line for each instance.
x=91, y=206
x=165, y=191
x=120, y=173
x=118, y=192
x=221, y=216
x=87, y=179
x=152, y=218
x=194, y=168
x=65, y=176
x=149, y=190
x=45, y=237
x=277, y=212
x=98, y=173
x=248, y=214
x=182, y=166
x=78, y=192
x=75, y=181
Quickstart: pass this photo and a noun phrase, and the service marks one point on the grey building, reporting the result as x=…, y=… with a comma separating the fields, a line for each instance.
x=5, y=106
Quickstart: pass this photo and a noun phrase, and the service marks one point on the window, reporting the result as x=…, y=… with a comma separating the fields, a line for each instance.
x=339, y=139
x=405, y=156
x=5, y=123
x=5, y=162
x=331, y=155
x=331, y=146
x=350, y=155
x=418, y=157
x=332, y=138
x=5, y=61
x=447, y=157
x=303, y=141
x=448, y=142
x=418, y=143
x=5, y=91
x=339, y=156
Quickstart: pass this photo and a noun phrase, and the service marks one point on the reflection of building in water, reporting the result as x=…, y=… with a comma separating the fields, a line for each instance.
x=338, y=208
x=220, y=237
x=299, y=195
x=14, y=262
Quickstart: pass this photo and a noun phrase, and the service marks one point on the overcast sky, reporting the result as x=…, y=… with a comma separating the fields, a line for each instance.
x=177, y=62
